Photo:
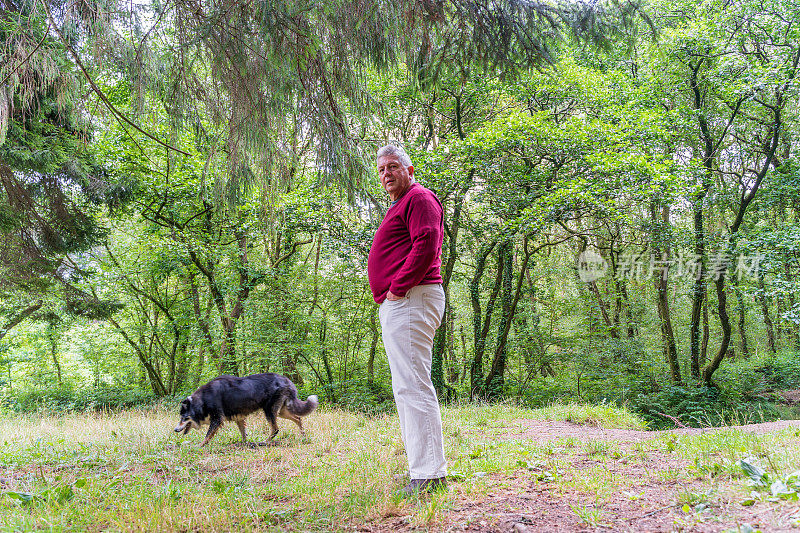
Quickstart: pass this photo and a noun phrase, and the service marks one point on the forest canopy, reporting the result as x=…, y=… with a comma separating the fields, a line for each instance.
x=189, y=189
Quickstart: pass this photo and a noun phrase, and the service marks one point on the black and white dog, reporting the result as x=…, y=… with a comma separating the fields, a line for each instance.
x=233, y=398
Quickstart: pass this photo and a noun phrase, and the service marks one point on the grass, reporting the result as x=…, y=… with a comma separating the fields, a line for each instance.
x=128, y=471
x=589, y=516
x=605, y=416
x=717, y=454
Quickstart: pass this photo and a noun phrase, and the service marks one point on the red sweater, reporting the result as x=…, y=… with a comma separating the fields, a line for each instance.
x=407, y=247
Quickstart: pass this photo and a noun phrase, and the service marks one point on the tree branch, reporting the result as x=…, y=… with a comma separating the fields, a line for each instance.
x=25, y=313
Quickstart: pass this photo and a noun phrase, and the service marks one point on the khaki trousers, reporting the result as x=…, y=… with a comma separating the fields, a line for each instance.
x=408, y=326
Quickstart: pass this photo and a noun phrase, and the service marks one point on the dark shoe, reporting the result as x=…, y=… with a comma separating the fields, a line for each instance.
x=418, y=486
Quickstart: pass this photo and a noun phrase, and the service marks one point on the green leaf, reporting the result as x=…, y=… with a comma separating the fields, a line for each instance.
x=456, y=476
x=755, y=473
x=793, y=478
x=63, y=494
x=22, y=497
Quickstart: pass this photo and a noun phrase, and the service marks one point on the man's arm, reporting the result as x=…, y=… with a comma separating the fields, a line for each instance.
x=424, y=223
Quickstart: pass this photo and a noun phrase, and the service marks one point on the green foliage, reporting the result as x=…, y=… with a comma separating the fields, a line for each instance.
x=544, y=392
x=762, y=375
x=231, y=252
x=64, y=399
x=700, y=407
x=779, y=487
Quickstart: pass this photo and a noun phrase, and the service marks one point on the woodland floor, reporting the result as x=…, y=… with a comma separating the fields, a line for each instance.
x=560, y=468
x=651, y=501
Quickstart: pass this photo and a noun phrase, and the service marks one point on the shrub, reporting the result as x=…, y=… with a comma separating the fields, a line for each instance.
x=62, y=399
x=700, y=407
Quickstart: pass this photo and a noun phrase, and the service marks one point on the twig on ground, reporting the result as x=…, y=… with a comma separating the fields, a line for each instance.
x=651, y=513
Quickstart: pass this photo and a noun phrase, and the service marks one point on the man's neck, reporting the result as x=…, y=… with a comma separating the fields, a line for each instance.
x=395, y=199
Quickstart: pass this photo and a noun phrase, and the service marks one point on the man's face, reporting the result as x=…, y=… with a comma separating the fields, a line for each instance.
x=395, y=177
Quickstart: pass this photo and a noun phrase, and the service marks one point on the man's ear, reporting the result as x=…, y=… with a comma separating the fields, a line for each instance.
x=411, y=171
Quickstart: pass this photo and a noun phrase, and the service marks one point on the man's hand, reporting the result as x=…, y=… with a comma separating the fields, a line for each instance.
x=392, y=296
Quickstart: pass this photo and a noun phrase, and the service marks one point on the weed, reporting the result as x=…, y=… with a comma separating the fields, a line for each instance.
x=429, y=511
x=596, y=447
x=688, y=497
x=569, y=442
x=671, y=443
x=590, y=516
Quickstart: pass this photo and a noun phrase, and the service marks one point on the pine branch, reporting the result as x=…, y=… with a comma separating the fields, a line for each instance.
x=116, y=112
x=25, y=313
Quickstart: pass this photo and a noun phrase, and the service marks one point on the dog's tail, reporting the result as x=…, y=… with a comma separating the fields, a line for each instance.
x=299, y=407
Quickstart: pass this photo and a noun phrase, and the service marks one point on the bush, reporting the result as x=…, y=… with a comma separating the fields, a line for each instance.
x=780, y=371
x=541, y=392
x=700, y=407
x=356, y=395
x=63, y=399
x=749, y=379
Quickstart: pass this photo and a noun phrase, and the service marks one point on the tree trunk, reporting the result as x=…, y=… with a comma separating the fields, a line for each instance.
x=202, y=321
x=741, y=309
x=323, y=334
x=706, y=334
x=198, y=372
x=152, y=373
x=707, y=177
x=667, y=332
x=495, y=380
x=663, y=251
x=623, y=290
x=792, y=334
x=480, y=325
x=764, y=301
x=698, y=292
x=724, y=321
x=53, y=338
x=440, y=338
x=770, y=147
x=611, y=327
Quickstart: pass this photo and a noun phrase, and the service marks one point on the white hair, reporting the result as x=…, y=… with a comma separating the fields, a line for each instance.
x=399, y=153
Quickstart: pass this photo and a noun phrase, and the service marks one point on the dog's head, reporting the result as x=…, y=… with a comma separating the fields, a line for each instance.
x=189, y=416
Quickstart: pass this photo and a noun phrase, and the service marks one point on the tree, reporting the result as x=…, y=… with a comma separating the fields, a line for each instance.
x=51, y=185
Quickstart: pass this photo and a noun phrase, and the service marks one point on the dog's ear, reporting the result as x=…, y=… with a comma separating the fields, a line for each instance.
x=186, y=404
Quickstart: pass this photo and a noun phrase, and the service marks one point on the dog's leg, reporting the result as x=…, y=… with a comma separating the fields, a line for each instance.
x=285, y=413
x=273, y=423
x=212, y=430
x=241, y=424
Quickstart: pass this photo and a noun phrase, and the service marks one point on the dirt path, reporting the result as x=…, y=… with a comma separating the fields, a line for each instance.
x=643, y=487
x=539, y=430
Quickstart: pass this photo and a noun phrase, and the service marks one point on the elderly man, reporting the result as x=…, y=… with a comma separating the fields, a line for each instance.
x=403, y=269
